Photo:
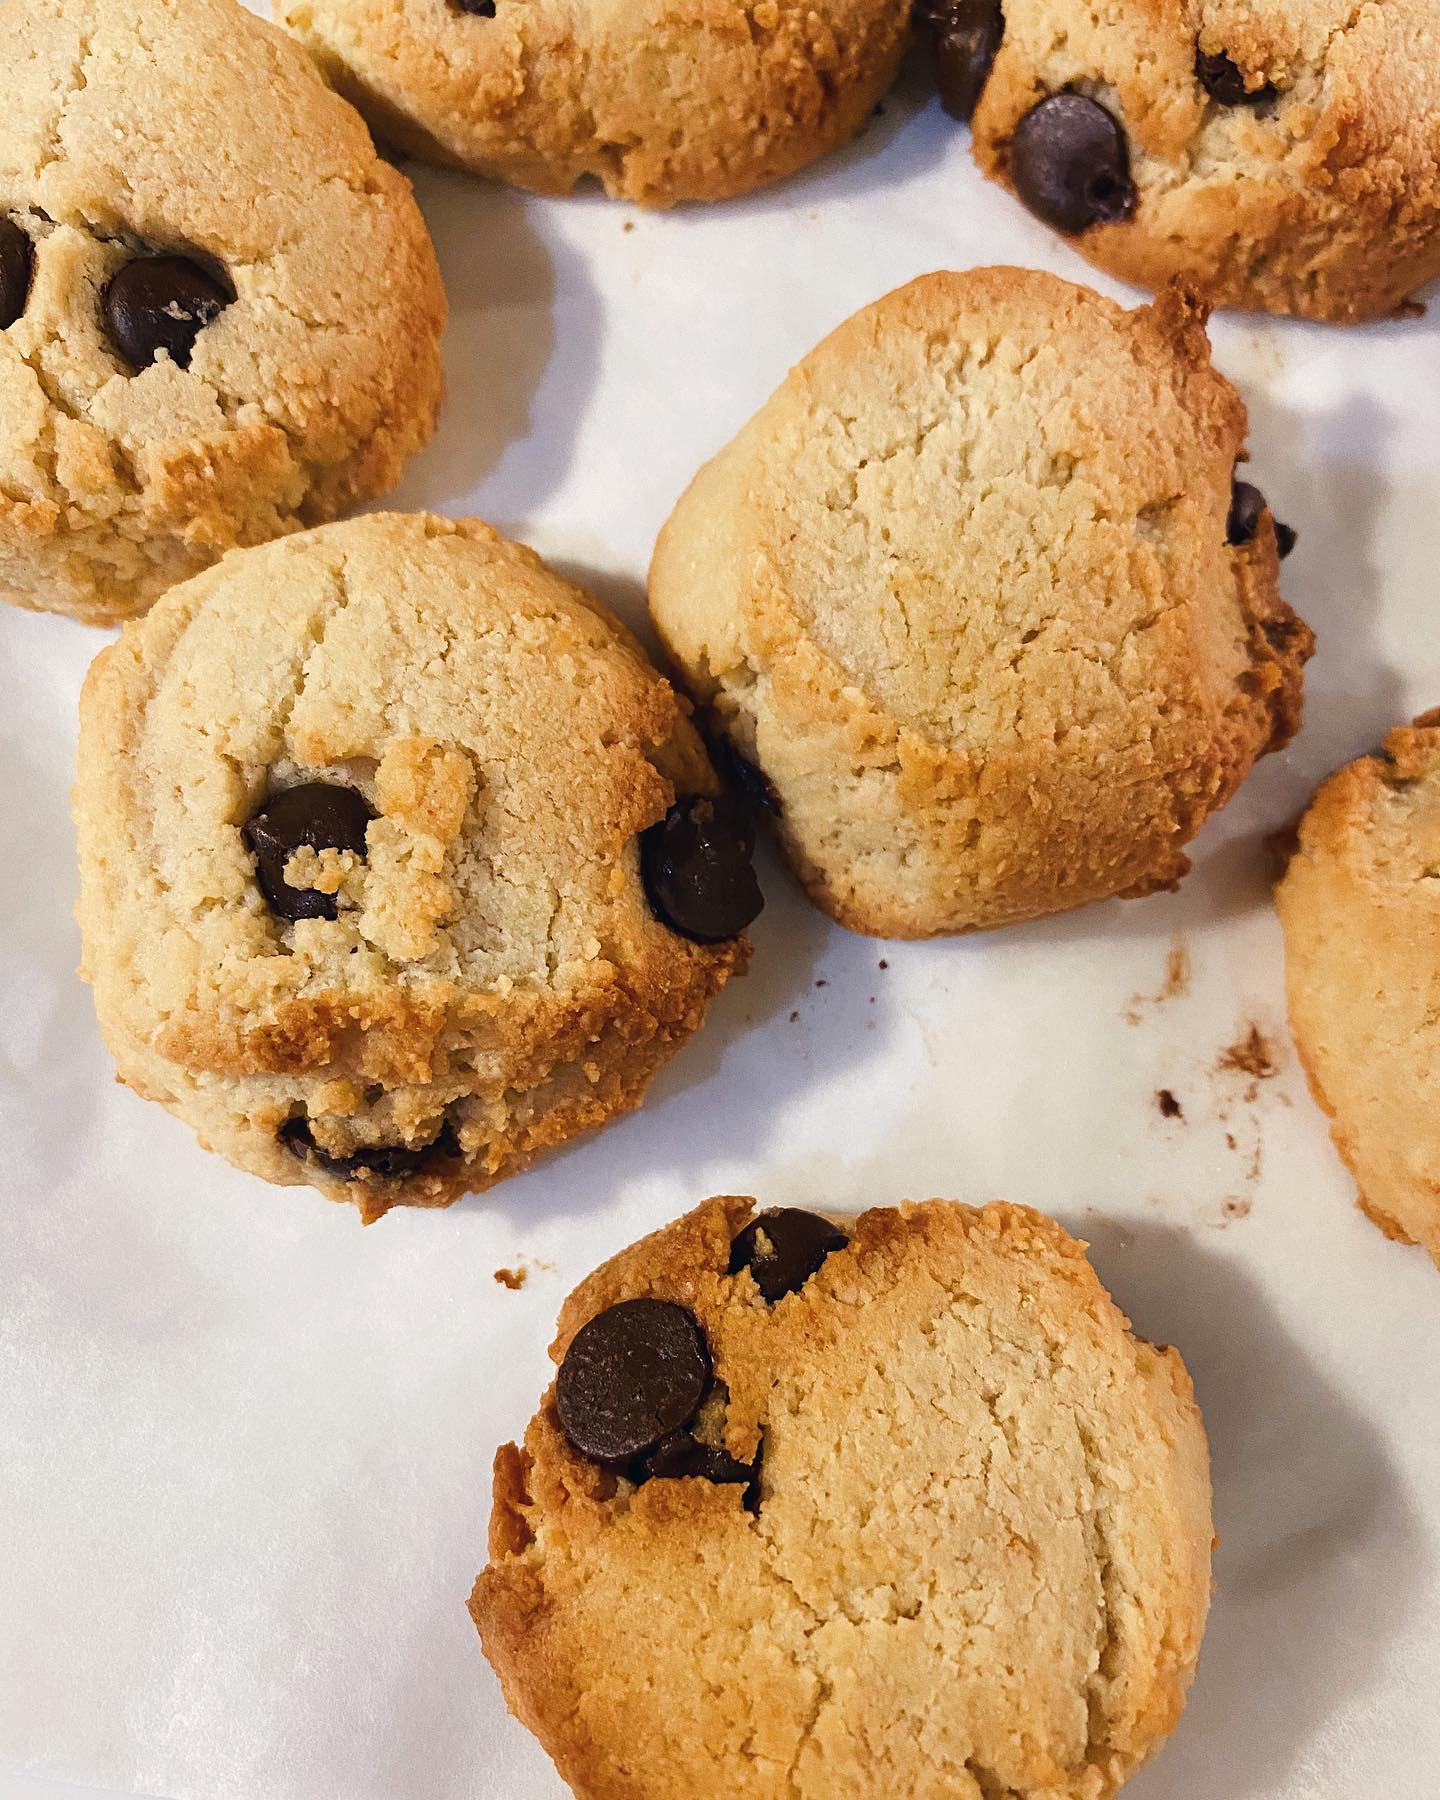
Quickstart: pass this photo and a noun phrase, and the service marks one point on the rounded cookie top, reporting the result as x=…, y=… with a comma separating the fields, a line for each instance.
x=1282, y=156
x=968, y=588
x=659, y=102
x=939, y=1525
x=1360, y=906
x=361, y=816
x=228, y=319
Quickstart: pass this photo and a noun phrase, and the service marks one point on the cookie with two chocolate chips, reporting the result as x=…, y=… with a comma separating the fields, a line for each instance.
x=898, y=1506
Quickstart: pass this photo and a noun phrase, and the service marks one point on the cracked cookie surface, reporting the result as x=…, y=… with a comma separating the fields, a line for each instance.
x=302, y=379
x=975, y=1564
x=1283, y=155
x=964, y=589
x=359, y=816
x=1360, y=906
x=660, y=102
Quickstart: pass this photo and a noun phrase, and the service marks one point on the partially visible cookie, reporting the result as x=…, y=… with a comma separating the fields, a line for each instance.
x=399, y=863
x=1282, y=155
x=220, y=311
x=1360, y=904
x=977, y=591
x=660, y=102
x=897, y=1508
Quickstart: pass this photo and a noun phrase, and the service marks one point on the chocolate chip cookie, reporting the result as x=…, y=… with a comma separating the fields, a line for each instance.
x=978, y=593
x=1282, y=155
x=894, y=1507
x=659, y=102
x=1360, y=904
x=399, y=863
x=220, y=311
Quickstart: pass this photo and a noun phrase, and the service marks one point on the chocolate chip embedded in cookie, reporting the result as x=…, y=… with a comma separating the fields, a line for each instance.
x=660, y=103
x=939, y=1523
x=976, y=594
x=1283, y=155
x=362, y=817
x=220, y=311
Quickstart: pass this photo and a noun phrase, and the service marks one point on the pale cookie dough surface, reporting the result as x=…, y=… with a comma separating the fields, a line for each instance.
x=661, y=102
x=1322, y=199
x=980, y=1562
x=494, y=980
x=962, y=589
x=192, y=128
x=1360, y=903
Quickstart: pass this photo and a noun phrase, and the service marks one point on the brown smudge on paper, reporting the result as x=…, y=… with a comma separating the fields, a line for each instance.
x=1250, y=1055
x=1175, y=986
x=1170, y=1107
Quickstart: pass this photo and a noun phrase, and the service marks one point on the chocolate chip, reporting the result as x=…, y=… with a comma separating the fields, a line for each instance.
x=1286, y=538
x=632, y=1376
x=17, y=259
x=160, y=303
x=783, y=1249
x=1071, y=165
x=1224, y=81
x=1247, y=504
x=478, y=9
x=385, y=1162
x=318, y=815
x=682, y=1456
x=967, y=34
x=695, y=864
x=746, y=781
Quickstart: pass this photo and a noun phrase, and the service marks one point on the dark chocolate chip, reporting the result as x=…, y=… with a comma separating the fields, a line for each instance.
x=478, y=9
x=17, y=259
x=385, y=1162
x=967, y=34
x=1286, y=538
x=682, y=1456
x=695, y=864
x=1071, y=165
x=783, y=1249
x=160, y=303
x=632, y=1376
x=747, y=782
x=319, y=815
x=1224, y=80
x=1247, y=504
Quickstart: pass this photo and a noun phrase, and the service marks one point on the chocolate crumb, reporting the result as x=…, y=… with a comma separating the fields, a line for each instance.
x=1168, y=1104
x=511, y=1278
x=793, y=1017
x=883, y=963
x=822, y=984
x=1250, y=1055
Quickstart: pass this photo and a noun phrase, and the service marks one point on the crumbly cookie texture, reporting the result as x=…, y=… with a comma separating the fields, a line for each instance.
x=141, y=126
x=493, y=980
x=1284, y=154
x=660, y=103
x=1360, y=904
x=963, y=590
x=977, y=1562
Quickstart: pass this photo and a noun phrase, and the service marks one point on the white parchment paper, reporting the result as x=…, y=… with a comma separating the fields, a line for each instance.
x=245, y=1444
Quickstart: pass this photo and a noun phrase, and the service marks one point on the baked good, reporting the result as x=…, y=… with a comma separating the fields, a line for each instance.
x=805, y=1518
x=659, y=102
x=1360, y=904
x=976, y=591
x=399, y=863
x=220, y=312
x=1282, y=155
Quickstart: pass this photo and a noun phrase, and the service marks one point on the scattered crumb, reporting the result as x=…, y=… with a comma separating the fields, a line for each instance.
x=872, y=1000
x=793, y=1017
x=1230, y=1140
x=629, y=225
x=1250, y=1055
x=883, y=963
x=1234, y=1208
x=1174, y=987
x=822, y=984
x=511, y=1278
x=1169, y=1106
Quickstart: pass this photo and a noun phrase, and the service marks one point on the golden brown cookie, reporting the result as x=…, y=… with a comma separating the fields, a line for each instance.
x=399, y=863
x=803, y=1518
x=657, y=101
x=1360, y=904
x=977, y=592
x=220, y=312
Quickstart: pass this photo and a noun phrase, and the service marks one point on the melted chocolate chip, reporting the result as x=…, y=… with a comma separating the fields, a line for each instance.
x=1071, y=164
x=695, y=864
x=318, y=815
x=1224, y=80
x=682, y=1456
x=783, y=1249
x=160, y=303
x=1286, y=538
x=747, y=781
x=1247, y=504
x=967, y=34
x=17, y=259
x=385, y=1162
x=478, y=9
x=631, y=1377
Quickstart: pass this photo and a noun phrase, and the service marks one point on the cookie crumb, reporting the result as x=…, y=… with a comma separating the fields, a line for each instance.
x=511, y=1278
x=1250, y=1055
x=1235, y=1208
x=883, y=963
x=629, y=225
x=1175, y=986
x=793, y=1017
x=1169, y=1106
x=822, y=984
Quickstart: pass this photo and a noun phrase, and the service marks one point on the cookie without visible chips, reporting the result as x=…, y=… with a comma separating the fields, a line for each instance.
x=1282, y=155
x=973, y=590
x=1360, y=904
x=229, y=308
x=973, y=1557
x=701, y=101
x=361, y=900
